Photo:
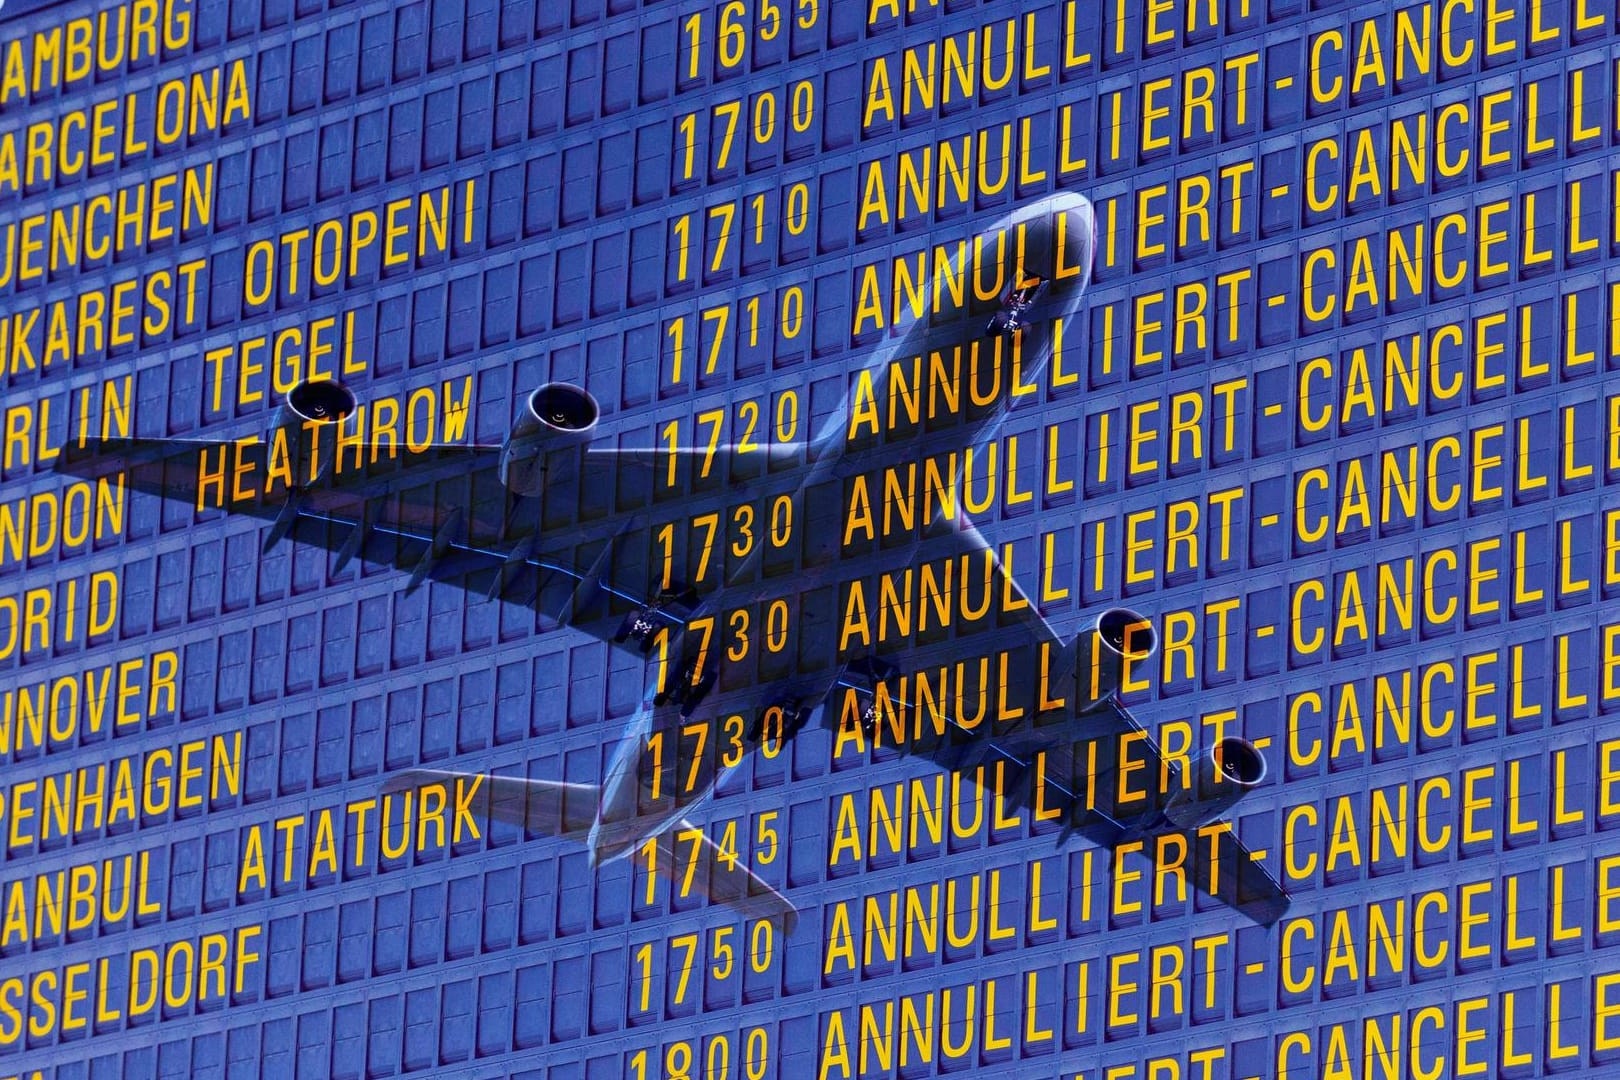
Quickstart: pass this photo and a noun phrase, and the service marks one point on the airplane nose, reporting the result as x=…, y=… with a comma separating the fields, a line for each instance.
x=1059, y=240
x=1065, y=202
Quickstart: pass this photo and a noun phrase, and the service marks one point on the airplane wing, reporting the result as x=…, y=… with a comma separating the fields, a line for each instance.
x=1095, y=762
x=1085, y=783
x=441, y=513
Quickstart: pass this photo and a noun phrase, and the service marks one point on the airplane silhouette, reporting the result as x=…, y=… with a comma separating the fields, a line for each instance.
x=736, y=569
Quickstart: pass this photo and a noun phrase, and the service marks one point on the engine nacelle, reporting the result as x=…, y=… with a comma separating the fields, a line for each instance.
x=1119, y=637
x=309, y=405
x=1232, y=768
x=556, y=422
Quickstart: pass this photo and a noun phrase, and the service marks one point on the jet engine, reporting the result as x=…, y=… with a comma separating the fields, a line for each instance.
x=307, y=405
x=1119, y=638
x=555, y=424
x=1232, y=768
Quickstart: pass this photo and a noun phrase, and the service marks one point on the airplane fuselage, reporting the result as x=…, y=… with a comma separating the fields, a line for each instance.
x=938, y=389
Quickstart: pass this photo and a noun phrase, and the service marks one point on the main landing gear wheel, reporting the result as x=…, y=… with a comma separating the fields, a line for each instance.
x=688, y=688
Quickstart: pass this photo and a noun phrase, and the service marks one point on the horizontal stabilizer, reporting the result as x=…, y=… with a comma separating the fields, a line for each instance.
x=550, y=807
x=555, y=808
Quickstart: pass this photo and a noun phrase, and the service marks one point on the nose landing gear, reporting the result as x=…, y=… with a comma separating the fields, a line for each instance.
x=1015, y=307
x=643, y=624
